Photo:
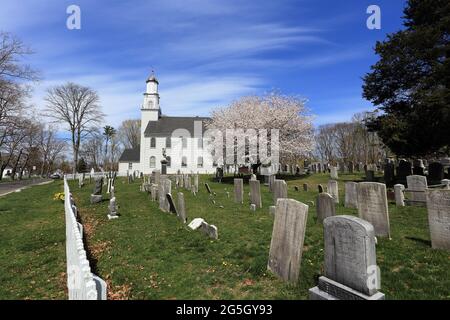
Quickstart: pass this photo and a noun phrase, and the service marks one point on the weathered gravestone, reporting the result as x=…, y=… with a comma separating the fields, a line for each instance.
x=271, y=182
x=195, y=187
x=288, y=235
x=181, y=208
x=255, y=193
x=399, y=195
x=351, y=195
x=370, y=175
x=253, y=177
x=418, y=167
x=96, y=196
x=80, y=180
x=404, y=169
x=154, y=192
x=389, y=173
x=296, y=188
x=172, y=207
x=239, y=191
x=325, y=206
x=279, y=190
x=112, y=209
x=438, y=206
x=200, y=224
x=164, y=188
x=417, y=185
x=435, y=172
x=373, y=206
x=305, y=187
x=334, y=172
x=333, y=190
x=350, y=266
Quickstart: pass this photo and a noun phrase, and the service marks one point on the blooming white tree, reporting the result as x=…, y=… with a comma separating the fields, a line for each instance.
x=253, y=117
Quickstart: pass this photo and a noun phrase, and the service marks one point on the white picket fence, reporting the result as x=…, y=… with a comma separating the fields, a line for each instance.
x=82, y=284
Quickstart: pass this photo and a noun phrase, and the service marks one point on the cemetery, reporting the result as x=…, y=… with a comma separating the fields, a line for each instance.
x=186, y=246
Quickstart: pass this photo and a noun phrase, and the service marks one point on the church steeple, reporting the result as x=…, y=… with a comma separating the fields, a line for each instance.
x=151, y=96
x=151, y=99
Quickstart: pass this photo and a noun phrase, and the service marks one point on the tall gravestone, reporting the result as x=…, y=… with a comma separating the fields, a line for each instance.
x=351, y=195
x=288, y=235
x=399, y=195
x=325, y=206
x=333, y=190
x=181, y=208
x=418, y=167
x=389, y=173
x=96, y=196
x=435, y=172
x=239, y=191
x=417, y=185
x=350, y=266
x=271, y=182
x=255, y=193
x=373, y=206
x=404, y=169
x=164, y=188
x=279, y=190
x=438, y=207
x=320, y=188
x=334, y=173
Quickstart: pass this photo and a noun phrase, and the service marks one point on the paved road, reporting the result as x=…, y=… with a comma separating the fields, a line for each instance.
x=8, y=187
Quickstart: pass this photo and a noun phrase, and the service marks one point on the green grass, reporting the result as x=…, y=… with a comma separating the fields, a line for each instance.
x=148, y=254
x=32, y=244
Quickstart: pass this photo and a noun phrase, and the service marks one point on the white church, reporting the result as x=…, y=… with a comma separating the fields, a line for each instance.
x=179, y=140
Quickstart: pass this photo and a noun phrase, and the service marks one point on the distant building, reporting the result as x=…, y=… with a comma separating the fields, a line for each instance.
x=180, y=137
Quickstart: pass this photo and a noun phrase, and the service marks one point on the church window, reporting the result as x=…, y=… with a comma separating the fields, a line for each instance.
x=184, y=141
x=168, y=142
x=184, y=162
x=152, y=142
x=130, y=166
x=200, y=162
x=152, y=162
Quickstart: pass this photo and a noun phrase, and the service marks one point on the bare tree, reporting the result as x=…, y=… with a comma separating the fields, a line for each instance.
x=78, y=108
x=50, y=148
x=92, y=149
x=129, y=133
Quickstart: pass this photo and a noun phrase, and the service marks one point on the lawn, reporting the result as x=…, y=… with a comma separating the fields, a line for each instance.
x=148, y=254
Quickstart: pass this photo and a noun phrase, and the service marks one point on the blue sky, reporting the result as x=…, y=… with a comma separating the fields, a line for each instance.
x=205, y=53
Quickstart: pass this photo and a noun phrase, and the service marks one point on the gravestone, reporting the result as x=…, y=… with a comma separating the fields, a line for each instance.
x=334, y=173
x=418, y=184
x=351, y=195
x=239, y=191
x=156, y=176
x=172, y=207
x=154, y=192
x=271, y=182
x=389, y=173
x=305, y=187
x=164, y=188
x=80, y=180
x=253, y=177
x=418, y=167
x=286, y=246
x=370, y=175
x=404, y=169
x=181, y=208
x=96, y=196
x=320, y=188
x=208, y=188
x=373, y=206
x=435, y=172
x=351, y=167
x=350, y=270
x=203, y=226
x=112, y=209
x=325, y=206
x=279, y=190
x=252, y=207
x=333, y=190
x=255, y=193
x=196, y=183
x=438, y=207
x=399, y=195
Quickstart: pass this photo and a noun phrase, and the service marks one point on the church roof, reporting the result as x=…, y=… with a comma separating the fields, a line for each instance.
x=166, y=125
x=152, y=78
x=131, y=155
